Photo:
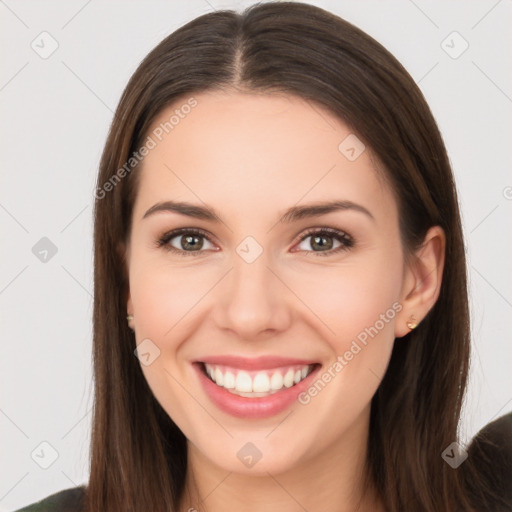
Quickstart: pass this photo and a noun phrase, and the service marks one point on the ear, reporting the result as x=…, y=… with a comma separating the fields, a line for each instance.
x=422, y=281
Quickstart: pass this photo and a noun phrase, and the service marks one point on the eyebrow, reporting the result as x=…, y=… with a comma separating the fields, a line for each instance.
x=293, y=214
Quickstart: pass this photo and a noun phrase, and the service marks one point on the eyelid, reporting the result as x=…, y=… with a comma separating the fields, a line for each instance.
x=324, y=229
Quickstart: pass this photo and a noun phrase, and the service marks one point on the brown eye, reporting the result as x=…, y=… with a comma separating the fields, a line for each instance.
x=185, y=241
x=325, y=241
x=192, y=242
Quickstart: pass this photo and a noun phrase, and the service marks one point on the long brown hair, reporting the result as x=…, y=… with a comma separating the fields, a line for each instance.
x=138, y=455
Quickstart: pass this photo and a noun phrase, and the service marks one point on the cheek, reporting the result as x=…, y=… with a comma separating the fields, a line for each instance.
x=357, y=305
x=351, y=298
x=360, y=308
x=162, y=295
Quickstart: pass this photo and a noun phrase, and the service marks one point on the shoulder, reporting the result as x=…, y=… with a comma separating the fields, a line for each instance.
x=68, y=500
x=492, y=446
x=490, y=453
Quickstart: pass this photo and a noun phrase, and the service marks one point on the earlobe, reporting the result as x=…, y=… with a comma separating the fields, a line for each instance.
x=422, y=281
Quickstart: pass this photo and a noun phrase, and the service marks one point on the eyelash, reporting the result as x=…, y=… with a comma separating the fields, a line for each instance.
x=344, y=238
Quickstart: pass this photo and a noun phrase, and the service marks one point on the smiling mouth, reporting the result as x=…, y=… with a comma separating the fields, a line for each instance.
x=256, y=384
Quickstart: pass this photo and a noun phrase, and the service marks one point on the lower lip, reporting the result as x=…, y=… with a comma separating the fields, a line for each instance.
x=260, y=407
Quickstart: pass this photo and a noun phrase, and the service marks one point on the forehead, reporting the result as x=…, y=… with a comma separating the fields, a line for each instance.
x=255, y=151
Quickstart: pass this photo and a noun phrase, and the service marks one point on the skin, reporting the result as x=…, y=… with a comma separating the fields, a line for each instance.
x=251, y=157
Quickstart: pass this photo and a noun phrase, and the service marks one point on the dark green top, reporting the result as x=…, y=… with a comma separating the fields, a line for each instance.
x=69, y=500
x=491, y=450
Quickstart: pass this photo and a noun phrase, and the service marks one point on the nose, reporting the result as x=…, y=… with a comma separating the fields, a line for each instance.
x=252, y=301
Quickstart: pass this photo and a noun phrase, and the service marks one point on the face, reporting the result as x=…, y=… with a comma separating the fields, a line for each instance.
x=252, y=289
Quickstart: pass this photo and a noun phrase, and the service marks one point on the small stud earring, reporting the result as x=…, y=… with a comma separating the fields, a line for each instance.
x=130, y=318
x=412, y=324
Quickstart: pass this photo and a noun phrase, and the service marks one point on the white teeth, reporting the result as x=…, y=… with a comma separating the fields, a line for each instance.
x=253, y=384
x=219, y=378
x=276, y=381
x=243, y=382
x=261, y=383
x=288, y=378
x=229, y=380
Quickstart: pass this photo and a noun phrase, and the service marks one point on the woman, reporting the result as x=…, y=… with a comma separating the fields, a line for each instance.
x=280, y=307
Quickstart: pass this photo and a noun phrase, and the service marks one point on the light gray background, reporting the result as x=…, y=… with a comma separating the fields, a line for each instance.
x=55, y=116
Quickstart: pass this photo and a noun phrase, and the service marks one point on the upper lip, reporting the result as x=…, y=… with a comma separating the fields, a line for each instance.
x=255, y=363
